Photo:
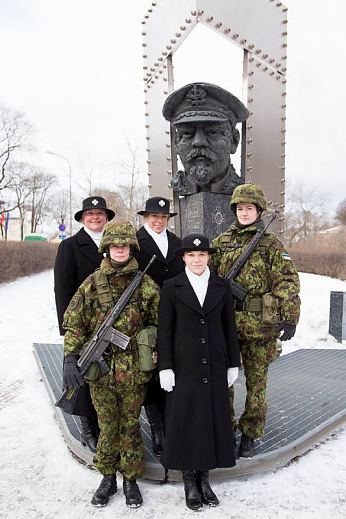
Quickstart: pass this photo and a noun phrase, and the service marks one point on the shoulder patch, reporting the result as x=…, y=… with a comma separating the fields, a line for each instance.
x=75, y=302
x=285, y=256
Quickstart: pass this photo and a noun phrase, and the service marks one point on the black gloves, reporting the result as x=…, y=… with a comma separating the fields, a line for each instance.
x=288, y=331
x=71, y=376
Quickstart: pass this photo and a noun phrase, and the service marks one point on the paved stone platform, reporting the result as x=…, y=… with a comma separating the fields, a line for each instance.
x=306, y=402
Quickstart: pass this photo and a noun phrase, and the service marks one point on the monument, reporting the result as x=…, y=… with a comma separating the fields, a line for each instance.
x=204, y=119
x=165, y=27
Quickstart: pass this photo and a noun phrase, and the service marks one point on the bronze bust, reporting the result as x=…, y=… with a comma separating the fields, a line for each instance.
x=204, y=117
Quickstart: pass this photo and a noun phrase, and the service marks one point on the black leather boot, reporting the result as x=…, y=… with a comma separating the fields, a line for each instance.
x=246, y=447
x=192, y=496
x=208, y=496
x=156, y=427
x=107, y=488
x=89, y=433
x=132, y=493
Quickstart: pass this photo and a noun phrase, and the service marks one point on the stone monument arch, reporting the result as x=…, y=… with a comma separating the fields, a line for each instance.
x=259, y=28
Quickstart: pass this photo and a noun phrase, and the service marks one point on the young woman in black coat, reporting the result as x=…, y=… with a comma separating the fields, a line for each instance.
x=198, y=360
x=77, y=258
x=155, y=238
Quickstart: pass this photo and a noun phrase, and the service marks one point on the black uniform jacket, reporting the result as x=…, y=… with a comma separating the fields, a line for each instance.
x=162, y=268
x=199, y=344
x=77, y=257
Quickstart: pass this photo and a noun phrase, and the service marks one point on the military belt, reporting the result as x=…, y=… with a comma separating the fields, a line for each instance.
x=251, y=304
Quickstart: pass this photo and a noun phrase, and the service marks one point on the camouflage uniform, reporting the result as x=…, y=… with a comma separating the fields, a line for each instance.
x=269, y=270
x=118, y=395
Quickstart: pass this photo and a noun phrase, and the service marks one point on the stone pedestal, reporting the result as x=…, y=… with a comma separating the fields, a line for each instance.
x=205, y=213
x=337, y=315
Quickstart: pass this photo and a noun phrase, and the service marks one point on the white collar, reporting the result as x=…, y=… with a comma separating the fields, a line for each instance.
x=161, y=239
x=155, y=234
x=199, y=283
x=95, y=236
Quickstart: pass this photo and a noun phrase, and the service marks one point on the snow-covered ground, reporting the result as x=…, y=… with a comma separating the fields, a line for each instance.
x=39, y=478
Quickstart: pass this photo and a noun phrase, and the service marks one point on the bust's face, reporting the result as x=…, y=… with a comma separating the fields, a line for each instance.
x=204, y=149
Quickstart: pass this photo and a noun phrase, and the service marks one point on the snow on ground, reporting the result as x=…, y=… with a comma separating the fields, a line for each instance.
x=41, y=480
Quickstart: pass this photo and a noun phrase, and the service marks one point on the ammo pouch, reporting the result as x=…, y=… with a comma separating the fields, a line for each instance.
x=93, y=373
x=270, y=309
x=251, y=304
x=146, y=342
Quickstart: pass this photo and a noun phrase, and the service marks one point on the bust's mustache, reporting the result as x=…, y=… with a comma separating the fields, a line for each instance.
x=201, y=152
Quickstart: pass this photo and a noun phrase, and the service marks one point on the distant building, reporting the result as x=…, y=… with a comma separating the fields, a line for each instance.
x=11, y=220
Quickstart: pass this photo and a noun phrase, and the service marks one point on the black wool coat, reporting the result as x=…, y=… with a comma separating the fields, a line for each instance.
x=199, y=344
x=77, y=258
x=162, y=268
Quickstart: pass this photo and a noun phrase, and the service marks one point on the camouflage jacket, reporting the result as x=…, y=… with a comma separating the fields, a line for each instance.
x=85, y=313
x=268, y=270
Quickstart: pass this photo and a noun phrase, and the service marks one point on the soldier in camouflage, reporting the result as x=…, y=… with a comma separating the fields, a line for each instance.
x=118, y=395
x=271, y=306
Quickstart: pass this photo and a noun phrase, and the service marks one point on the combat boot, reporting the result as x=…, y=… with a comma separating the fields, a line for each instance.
x=107, y=488
x=132, y=493
x=156, y=427
x=246, y=447
x=193, y=498
x=89, y=433
x=208, y=496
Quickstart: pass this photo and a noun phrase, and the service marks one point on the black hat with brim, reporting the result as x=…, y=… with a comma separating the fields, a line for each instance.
x=157, y=204
x=94, y=202
x=195, y=242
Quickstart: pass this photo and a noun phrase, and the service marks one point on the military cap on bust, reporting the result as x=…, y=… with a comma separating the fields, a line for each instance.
x=198, y=102
x=157, y=204
x=195, y=242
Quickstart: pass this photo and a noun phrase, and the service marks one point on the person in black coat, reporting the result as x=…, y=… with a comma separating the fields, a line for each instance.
x=199, y=359
x=76, y=259
x=154, y=238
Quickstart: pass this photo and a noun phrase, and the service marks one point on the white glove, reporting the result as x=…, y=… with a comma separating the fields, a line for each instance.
x=167, y=379
x=232, y=375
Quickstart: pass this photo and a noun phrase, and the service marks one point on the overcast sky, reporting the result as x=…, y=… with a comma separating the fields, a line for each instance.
x=74, y=67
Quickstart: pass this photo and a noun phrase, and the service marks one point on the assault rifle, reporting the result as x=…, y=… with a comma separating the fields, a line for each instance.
x=238, y=290
x=94, y=349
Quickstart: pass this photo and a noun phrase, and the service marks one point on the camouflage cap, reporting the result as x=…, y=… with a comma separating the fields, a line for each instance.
x=198, y=102
x=248, y=194
x=118, y=234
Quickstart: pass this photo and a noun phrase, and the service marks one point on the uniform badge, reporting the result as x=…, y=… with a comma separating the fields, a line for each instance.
x=94, y=202
x=162, y=203
x=196, y=242
x=285, y=256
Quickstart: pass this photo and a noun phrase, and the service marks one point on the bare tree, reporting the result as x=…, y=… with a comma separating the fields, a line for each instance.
x=18, y=184
x=305, y=212
x=341, y=212
x=132, y=190
x=14, y=136
x=57, y=206
x=29, y=185
x=39, y=183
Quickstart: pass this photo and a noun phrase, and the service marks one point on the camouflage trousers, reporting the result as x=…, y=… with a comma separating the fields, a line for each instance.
x=120, y=446
x=256, y=358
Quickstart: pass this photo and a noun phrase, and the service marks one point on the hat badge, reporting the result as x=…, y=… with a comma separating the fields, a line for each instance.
x=94, y=202
x=197, y=96
x=196, y=242
x=162, y=203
